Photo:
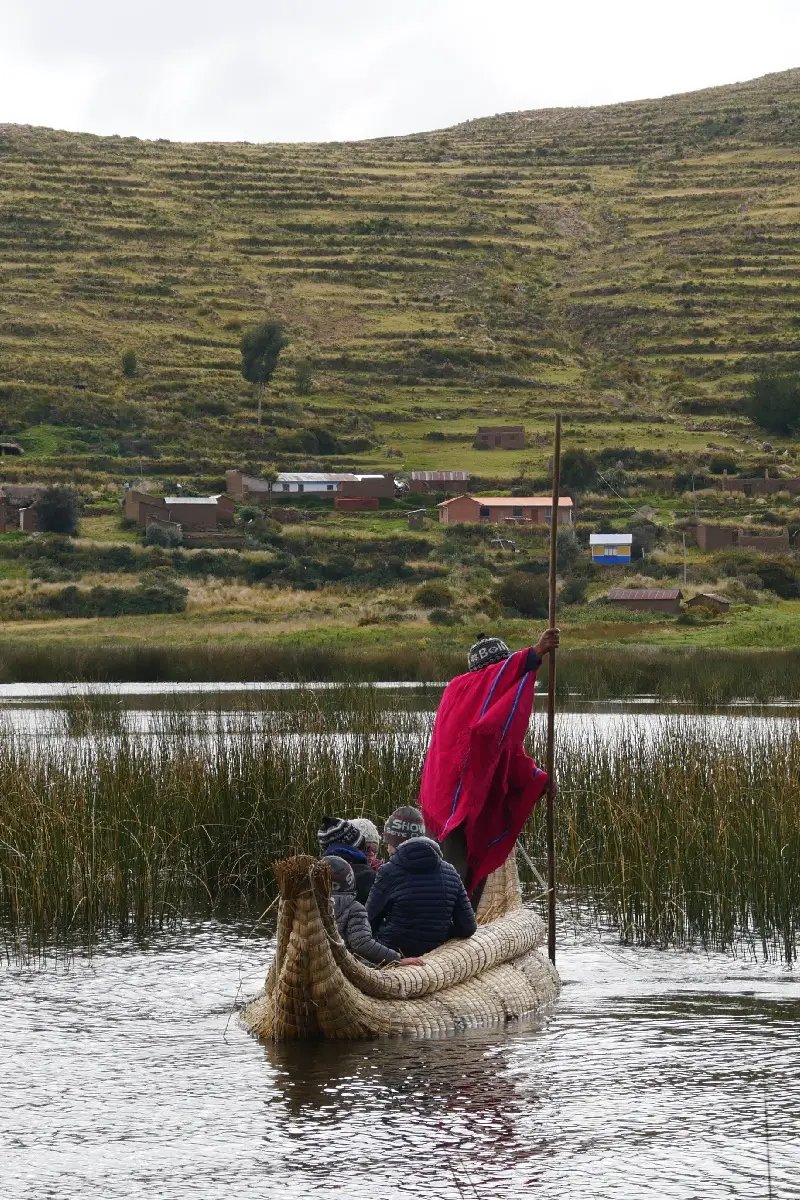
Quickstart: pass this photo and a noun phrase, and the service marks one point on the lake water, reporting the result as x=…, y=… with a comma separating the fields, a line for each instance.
x=127, y=1076
x=668, y=1073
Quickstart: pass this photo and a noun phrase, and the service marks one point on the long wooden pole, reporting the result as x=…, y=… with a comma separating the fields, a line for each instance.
x=551, y=702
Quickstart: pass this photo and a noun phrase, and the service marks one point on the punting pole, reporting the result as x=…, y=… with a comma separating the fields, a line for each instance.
x=551, y=702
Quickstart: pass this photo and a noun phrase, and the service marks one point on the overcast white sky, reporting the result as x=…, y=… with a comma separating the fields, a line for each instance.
x=314, y=70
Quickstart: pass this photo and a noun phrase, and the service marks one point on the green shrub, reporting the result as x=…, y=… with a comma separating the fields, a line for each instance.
x=433, y=595
x=721, y=463
x=129, y=363
x=781, y=578
x=154, y=596
x=773, y=402
x=441, y=616
x=574, y=590
x=578, y=470
x=57, y=510
x=303, y=378
x=527, y=594
x=166, y=536
x=568, y=549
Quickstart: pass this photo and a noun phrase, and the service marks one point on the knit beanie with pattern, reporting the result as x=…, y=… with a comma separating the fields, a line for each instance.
x=343, y=878
x=368, y=829
x=487, y=650
x=336, y=831
x=404, y=823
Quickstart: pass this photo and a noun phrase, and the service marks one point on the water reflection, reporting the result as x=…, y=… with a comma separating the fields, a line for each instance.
x=124, y=1077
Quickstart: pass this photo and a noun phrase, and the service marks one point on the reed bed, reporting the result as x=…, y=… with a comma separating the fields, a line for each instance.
x=684, y=834
x=677, y=833
x=701, y=676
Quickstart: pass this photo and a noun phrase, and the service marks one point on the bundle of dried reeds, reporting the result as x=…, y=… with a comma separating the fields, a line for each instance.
x=316, y=988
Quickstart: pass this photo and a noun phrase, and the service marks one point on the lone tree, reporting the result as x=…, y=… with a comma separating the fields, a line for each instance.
x=773, y=402
x=261, y=348
x=129, y=363
x=304, y=378
x=578, y=469
x=269, y=473
x=57, y=510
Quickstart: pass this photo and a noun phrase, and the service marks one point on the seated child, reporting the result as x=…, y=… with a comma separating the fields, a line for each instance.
x=417, y=901
x=341, y=837
x=372, y=841
x=351, y=918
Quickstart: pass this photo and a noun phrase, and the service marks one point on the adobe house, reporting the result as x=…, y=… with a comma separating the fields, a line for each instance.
x=133, y=502
x=500, y=437
x=719, y=604
x=719, y=537
x=503, y=510
x=191, y=512
x=664, y=600
x=771, y=543
x=15, y=501
x=200, y=512
x=449, y=482
x=246, y=487
x=715, y=537
x=759, y=486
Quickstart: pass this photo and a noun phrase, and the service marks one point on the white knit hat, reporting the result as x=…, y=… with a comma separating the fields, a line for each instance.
x=369, y=830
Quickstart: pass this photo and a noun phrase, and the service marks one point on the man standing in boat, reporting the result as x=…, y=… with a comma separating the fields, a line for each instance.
x=479, y=786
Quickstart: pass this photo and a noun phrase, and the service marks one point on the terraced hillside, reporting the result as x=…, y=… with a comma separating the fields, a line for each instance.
x=632, y=265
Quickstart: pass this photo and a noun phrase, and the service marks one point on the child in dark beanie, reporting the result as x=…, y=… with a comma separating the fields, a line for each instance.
x=417, y=901
x=342, y=838
x=351, y=918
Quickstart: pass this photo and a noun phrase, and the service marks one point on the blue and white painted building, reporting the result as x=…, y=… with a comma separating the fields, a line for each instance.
x=610, y=548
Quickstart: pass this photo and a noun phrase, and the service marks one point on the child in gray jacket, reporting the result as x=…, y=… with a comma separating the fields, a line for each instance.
x=352, y=921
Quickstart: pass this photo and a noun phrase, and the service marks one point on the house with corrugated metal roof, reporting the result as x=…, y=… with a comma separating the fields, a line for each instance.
x=666, y=600
x=342, y=483
x=719, y=604
x=438, y=481
x=503, y=510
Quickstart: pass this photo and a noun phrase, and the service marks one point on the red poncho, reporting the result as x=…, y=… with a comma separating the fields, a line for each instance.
x=476, y=771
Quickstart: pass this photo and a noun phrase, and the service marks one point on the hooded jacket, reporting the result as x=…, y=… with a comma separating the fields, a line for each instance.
x=477, y=773
x=418, y=901
x=364, y=873
x=354, y=929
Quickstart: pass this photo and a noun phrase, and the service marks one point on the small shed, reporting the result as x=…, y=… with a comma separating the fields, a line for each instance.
x=607, y=549
x=7, y=447
x=666, y=600
x=416, y=518
x=719, y=604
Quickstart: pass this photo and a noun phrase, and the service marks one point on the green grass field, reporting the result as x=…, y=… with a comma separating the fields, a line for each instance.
x=631, y=265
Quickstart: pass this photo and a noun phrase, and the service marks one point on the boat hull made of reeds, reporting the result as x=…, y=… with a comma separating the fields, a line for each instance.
x=316, y=988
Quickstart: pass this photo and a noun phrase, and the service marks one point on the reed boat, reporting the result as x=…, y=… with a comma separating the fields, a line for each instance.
x=316, y=988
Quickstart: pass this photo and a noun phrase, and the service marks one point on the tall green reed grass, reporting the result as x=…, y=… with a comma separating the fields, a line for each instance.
x=701, y=676
x=685, y=835
x=677, y=836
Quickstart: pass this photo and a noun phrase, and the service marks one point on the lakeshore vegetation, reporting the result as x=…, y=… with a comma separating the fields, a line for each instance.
x=677, y=836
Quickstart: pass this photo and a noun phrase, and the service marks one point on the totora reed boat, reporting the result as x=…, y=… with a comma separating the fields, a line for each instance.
x=316, y=988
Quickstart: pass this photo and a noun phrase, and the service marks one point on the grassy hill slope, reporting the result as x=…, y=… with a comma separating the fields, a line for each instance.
x=632, y=265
